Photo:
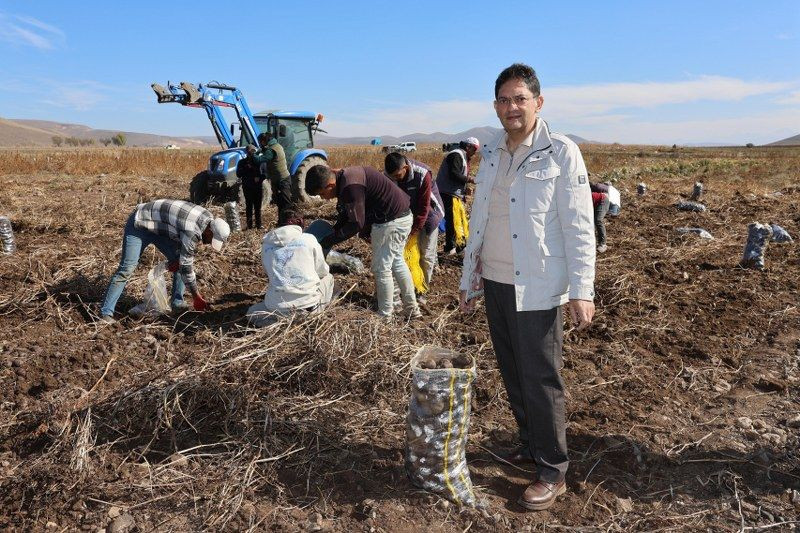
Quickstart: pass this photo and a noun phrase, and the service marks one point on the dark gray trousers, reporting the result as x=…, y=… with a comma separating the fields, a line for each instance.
x=527, y=345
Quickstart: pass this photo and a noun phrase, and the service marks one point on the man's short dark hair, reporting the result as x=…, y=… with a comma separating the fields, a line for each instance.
x=317, y=178
x=393, y=162
x=290, y=217
x=518, y=71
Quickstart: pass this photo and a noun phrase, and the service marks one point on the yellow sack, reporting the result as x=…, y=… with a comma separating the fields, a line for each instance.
x=412, y=257
x=460, y=223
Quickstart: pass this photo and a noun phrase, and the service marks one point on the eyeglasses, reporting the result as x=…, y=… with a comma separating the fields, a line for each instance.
x=519, y=100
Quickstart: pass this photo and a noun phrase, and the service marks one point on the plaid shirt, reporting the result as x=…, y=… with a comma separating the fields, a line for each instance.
x=181, y=221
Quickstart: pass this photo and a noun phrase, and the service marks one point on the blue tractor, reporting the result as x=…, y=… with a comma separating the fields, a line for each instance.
x=294, y=131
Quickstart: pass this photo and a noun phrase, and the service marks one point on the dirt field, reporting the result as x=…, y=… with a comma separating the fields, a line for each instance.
x=682, y=397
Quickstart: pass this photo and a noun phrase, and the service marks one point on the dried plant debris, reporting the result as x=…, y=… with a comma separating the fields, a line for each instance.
x=196, y=422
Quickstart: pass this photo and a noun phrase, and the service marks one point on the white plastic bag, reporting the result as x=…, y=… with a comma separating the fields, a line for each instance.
x=156, y=299
x=352, y=264
x=614, y=200
x=703, y=234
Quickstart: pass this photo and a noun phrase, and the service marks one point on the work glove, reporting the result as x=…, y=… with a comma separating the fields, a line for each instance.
x=199, y=303
x=173, y=266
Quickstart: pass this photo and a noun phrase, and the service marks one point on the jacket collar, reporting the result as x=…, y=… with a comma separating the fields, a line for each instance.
x=538, y=140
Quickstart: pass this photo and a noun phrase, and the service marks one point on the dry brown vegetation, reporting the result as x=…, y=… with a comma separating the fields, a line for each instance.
x=198, y=423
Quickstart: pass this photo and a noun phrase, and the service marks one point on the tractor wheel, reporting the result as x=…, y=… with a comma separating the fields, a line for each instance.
x=198, y=188
x=299, y=179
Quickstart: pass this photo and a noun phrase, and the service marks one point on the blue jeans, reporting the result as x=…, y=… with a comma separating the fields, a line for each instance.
x=134, y=242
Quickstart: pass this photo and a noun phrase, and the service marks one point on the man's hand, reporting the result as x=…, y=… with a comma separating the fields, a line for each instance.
x=468, y=306
x=173, y=266
x=199, y=303
x=581, y=312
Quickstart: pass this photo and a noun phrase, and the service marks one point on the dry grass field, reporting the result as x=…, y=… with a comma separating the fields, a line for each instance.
x=683, y=396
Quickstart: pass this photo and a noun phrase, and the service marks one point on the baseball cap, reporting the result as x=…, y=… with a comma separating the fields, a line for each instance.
x=221, y=232
x=473, y=141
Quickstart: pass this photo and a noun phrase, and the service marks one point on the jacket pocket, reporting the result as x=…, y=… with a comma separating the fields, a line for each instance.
x=552, y=241
x=540, y=189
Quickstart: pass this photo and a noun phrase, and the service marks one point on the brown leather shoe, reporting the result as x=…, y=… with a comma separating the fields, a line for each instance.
x=518, y=456
x=540, y=495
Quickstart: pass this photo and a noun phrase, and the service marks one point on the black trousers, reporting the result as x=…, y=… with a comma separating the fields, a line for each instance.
x=449, y=224
x=253, y=196
x=282, y=195
x=600, y=211
x=527, y=345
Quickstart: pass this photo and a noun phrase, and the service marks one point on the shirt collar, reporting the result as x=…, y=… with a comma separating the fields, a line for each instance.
x=539, y=138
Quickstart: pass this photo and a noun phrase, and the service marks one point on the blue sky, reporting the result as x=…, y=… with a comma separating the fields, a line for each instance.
x=632, y=72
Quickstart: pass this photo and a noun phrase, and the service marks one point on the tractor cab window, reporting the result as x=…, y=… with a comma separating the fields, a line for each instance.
x=294, y=135
x=262, y=123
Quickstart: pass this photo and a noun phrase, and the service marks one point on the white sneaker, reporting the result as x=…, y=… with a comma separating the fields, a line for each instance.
x=602, y=248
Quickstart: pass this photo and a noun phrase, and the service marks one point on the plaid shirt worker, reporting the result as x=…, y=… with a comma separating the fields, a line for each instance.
x=181, y=221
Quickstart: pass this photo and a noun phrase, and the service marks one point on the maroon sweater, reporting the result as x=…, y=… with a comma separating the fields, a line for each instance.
x=365, y=197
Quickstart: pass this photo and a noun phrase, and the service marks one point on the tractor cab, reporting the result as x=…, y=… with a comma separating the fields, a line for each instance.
x=294, y=130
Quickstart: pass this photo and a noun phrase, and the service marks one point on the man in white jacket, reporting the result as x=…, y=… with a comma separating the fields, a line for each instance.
x=299, y=277
x=532, y=249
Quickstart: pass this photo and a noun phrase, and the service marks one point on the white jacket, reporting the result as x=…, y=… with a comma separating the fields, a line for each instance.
x=295, y=264
x=552, y=222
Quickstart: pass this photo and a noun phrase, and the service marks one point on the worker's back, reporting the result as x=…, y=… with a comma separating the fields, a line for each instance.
x=294, y=264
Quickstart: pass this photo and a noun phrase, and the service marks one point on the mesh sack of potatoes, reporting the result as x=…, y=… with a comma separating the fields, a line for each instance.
x=683, y=205
x=758, y=236
x=438, y=423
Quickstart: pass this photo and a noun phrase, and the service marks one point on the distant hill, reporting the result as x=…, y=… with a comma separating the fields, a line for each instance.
x=789, y=141
x=22, y=132
x=483, y=134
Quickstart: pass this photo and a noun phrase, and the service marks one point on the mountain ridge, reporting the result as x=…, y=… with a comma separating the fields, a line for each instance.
x=32, y=132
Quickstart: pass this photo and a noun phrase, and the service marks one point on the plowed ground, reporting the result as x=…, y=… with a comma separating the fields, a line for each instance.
x=197, y=423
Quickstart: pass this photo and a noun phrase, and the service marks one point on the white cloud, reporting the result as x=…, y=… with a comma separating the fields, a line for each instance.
x=28, y=31
x=80, y=95
x=587, y=100
x=757, y=128
x=75, y=95
x=448, y=116
x=582, y=106
x=792, y=98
